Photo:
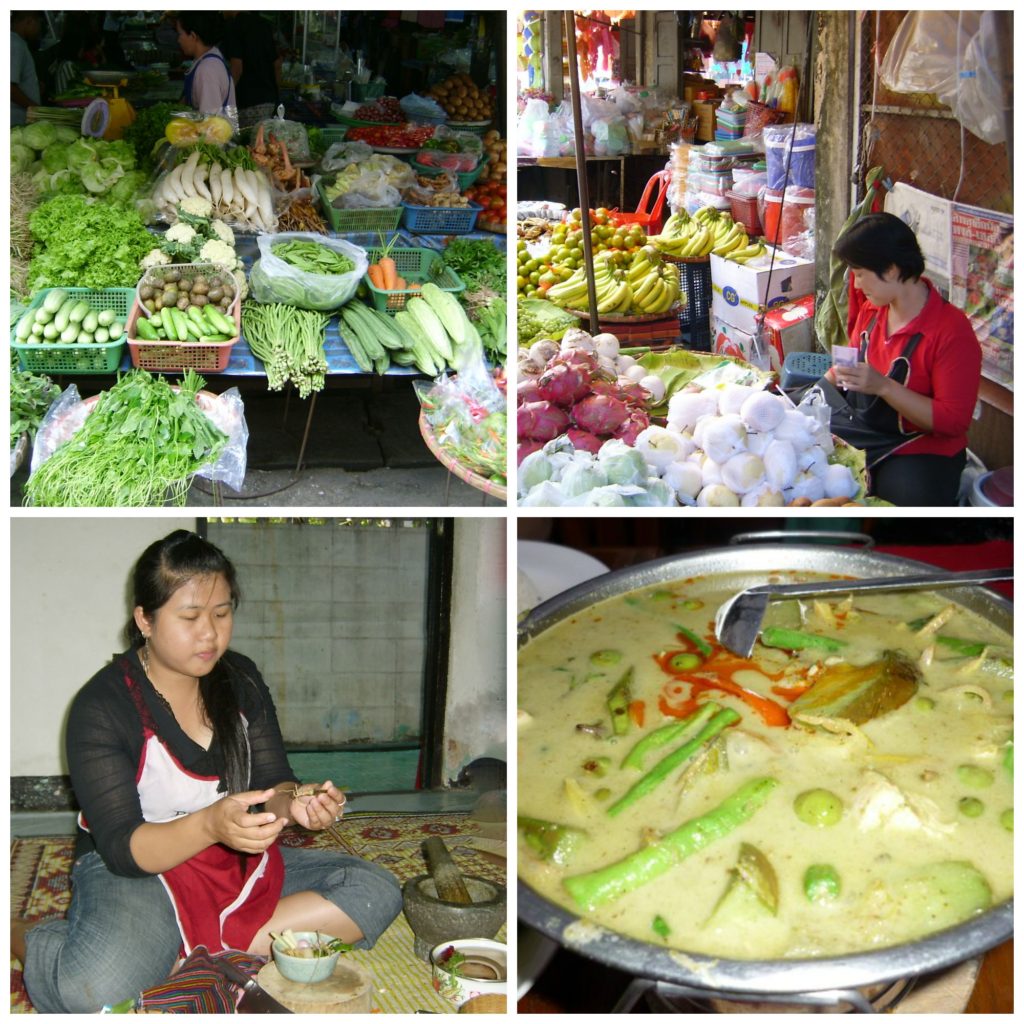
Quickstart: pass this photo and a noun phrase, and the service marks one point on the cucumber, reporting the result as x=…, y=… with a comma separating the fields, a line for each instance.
x=78, y=314
x=181, y=324
x=84, y=338
x=215, y=339
x=102, y=336
x=37, y=329
x=106, y=317
x=44, y=316
x=69, y=334
x=24, y=328
x=145, y=330
x=218, y=320
x=54, y=300
x=50, y=332
x=90, y=321
x=115, y=330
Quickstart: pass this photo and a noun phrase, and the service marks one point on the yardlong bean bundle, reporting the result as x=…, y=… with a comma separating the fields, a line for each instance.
x=290, y=343
x=141, y=445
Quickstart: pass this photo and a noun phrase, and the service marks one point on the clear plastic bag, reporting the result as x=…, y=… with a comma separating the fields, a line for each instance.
x=274, y=280
x=340, y=154
x=292, y=134
x=226, y=411
x=422, y=110
x=423, y=192
x=369, y=192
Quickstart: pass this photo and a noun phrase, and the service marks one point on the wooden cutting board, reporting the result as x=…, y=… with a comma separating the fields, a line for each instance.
x=348, y=990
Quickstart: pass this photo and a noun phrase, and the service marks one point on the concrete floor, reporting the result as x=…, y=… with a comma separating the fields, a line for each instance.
x=363, y=449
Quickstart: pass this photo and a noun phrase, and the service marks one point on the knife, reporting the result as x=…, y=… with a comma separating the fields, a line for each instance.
x=254, y=999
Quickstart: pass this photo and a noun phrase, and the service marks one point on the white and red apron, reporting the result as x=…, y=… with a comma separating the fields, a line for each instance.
x=221, y=897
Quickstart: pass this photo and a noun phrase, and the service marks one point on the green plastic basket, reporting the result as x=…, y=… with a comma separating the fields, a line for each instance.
x=333, y=133
x=352, y=122
x=415, y=265
x=466, y=178
x=348, y=221
x=368, y=91
x=55, y=357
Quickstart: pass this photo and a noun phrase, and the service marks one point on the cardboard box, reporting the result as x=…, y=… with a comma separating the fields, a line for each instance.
x=705, y=111
x=787, y=328
x=739, y=290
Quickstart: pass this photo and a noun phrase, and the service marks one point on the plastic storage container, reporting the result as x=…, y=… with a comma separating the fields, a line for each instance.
x=55, y=357
x=778, y=140
x=415, y=265
x=745, y=212
x=440, y=220
x=785, y=213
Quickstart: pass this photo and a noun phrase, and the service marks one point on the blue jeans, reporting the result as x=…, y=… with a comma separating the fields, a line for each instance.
x=120, y=935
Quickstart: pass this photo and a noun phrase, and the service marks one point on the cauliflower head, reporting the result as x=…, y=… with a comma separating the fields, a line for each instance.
x=197, y=206
x=182, y=233
x=223, y=232
x=155, y=258
x=217, y=251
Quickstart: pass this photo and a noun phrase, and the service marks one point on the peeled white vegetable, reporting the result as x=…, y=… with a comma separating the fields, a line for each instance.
x=780, y=468
x=606, y=345
x=543, y=350
x=661, y=447
x=840, y=482
x=762, y=497
x=722, y=437
x=686, y=407
x=623, y=363
x=653, y=384
x=731, y=398
x=575, y=337
x=685, y=479
x=215, y=188
x=743, y=472
x=763, y=411
x=635, y=373
x=717, y=496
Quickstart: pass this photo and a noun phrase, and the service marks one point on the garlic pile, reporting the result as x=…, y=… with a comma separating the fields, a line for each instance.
x=738, y=445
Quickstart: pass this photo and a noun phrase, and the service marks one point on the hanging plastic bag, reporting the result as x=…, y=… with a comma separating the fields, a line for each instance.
x=292, y=134
x=274, y=280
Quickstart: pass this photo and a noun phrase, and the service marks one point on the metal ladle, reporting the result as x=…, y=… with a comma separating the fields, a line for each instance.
x=738, y=620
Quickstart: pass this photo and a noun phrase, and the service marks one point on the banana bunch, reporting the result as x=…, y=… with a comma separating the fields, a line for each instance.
x=646, y=286
x=707, y=231
x=746, y=253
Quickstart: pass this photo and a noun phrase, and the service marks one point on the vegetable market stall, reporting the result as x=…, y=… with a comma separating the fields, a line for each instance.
x=218, y=279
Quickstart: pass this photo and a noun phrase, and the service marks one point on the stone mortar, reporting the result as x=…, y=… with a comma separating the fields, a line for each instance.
x=434, y=920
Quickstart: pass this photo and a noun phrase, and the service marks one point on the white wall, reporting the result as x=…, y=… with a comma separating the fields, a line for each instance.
x=69, y=603
x=475, y=714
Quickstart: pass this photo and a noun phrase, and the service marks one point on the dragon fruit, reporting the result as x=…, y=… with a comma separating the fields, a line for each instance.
x=563, y=384
x=528, y=391
x=525, y=448
x=540, y=421
x=631, y=393
x=637, y=423
x=600, y=414
x=582, y=440
x=576, y=357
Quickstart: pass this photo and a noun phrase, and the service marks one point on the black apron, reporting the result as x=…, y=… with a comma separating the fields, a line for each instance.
x=868, y=422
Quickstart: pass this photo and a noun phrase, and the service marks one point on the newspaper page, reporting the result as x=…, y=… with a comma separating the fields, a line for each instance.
x=928, y=217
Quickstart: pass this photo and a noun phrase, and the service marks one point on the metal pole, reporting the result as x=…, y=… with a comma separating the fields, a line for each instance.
x=581, y=165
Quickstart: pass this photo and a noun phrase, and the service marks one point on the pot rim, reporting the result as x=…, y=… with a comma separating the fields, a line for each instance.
x=755, y=977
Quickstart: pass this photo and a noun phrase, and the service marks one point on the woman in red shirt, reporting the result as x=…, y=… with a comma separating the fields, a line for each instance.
x=919, y=355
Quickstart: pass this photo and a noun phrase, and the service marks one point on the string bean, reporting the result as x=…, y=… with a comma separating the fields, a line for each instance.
x=313, y=258
x=289, y=342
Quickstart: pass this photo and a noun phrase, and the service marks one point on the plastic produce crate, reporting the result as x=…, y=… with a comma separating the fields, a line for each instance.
x=347, y=221
x=801, y=368
x=368, y=91
x=440, y=220
x=745, y=212
x=333, y=133
x=465, y=178
x=54, y=357
x=695, y=289
x=415, y=265
x=163, y=356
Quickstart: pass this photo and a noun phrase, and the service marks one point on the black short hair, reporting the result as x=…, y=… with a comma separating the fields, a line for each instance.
x=879, y=241
x=207, y=25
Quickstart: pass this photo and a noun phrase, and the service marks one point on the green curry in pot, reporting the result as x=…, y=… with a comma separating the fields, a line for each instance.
x=850, y=786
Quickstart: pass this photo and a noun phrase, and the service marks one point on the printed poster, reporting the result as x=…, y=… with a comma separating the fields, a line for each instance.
x=928, y=217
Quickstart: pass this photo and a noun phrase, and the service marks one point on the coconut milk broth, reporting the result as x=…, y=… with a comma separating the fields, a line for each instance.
x=914, y=749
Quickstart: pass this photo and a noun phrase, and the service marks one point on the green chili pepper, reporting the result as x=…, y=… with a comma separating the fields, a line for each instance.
x=618, y=703
x=699, y=642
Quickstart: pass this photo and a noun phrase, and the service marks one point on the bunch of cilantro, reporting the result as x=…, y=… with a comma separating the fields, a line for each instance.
x=82, y=243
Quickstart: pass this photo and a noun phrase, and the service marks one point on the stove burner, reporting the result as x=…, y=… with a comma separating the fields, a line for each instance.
x=664, y=997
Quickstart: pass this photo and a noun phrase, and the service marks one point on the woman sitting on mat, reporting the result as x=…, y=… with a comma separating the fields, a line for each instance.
x=177, y=763
x=918, y=356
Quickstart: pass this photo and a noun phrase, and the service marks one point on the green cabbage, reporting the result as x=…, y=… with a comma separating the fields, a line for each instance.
x=55, y=157
x=82, y=152
x=21, y=158
x=18, y=135
x=65, y=133
x=39, y=135
x=101, y=176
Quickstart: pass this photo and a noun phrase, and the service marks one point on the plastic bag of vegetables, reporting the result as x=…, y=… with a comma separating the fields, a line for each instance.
x=307, y=270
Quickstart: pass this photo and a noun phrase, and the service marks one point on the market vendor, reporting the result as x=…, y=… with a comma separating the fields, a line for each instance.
x=209, y=87
x=255, y=64
x=26, y=28
x=919, y=365
x=178, y=765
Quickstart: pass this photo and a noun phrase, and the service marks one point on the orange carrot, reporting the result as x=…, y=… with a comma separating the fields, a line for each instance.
x=400, y=284
x=387, y=266
x=636, y=712
x=376, y=276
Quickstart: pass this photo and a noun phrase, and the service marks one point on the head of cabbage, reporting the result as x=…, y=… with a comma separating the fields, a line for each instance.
x=39, y=135
x=22, y=158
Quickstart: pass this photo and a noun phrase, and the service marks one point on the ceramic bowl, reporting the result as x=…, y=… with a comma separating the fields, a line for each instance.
x=301, y=968
x=482, y=969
